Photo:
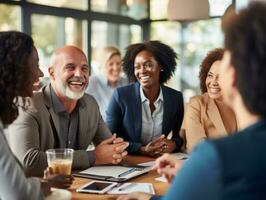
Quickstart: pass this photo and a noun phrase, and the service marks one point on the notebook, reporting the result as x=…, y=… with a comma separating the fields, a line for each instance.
x=116, y=173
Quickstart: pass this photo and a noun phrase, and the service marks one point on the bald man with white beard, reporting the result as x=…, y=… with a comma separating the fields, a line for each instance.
x=61, y=115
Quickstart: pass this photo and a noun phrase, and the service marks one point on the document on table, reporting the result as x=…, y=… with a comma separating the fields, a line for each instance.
x=117, y=173
x=161, y=179
x=127, y=188
x=179, y=156
x=147, y=164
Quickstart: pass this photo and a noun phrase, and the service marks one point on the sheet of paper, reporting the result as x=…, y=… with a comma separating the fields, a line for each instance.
x=147, y=164
x=180, y=156
x=127, y=188
x=161, y=179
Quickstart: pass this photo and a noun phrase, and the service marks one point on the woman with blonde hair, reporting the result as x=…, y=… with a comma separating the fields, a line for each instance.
x=101, y=86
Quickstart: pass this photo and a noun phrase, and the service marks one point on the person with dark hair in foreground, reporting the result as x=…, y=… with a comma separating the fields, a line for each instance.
x=232, y=167
x=19, y=71
x=146, y=112
x=207, y=115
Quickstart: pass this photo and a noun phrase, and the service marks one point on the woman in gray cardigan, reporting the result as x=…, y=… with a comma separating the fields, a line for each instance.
x=18, y=72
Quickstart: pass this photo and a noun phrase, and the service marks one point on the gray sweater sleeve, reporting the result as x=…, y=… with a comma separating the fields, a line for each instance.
x=13, y=183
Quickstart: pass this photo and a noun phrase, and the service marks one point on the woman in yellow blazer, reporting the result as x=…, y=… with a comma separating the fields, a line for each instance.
x=206, y=115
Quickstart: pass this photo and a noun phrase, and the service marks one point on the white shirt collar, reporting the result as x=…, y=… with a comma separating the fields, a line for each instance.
x=143, y=98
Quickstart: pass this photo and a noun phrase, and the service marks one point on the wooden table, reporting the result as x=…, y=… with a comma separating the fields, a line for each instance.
x=160, y=187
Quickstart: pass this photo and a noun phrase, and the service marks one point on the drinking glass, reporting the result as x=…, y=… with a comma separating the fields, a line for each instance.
x=60, y=160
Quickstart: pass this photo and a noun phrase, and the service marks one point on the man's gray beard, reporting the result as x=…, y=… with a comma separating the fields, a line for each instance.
x=64, y=89
x=73, y=95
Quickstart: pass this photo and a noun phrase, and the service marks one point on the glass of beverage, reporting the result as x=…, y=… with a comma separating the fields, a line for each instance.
x=60, y=160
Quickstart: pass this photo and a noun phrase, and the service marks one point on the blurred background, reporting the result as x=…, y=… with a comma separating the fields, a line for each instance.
x=93, y=24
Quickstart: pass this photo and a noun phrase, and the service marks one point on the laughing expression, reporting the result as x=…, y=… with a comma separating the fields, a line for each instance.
x=212, y=81
x=147, y=69
x=112, y=68
x=34, y=73
x=70, y=75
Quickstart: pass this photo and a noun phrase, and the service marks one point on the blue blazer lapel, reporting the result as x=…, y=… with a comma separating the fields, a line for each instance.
x=137, y=112
x=166, y=111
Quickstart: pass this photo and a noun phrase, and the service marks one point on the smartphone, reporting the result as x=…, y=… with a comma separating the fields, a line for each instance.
x=98, y=187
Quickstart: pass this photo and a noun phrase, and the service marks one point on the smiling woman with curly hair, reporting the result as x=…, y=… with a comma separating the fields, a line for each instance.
x=18, y=72
x=207, y=116
x=146, y=111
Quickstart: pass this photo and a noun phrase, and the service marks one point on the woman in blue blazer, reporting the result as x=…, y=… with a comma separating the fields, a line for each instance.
x=146, y=111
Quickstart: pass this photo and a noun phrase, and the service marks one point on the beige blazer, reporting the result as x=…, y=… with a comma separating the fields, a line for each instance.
x=202, y=120
x=32, y=132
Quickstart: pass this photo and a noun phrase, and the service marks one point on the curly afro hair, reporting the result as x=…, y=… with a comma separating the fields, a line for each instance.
x=163, y=54
x=15, y=50
x=245, y=39
x=212, y=56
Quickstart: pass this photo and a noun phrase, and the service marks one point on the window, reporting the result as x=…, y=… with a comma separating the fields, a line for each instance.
x=9, y=17
x=191, y=41
x=158, y=9
x=199, y=38
x=119, y=35
x=159, y=30
x=55, y=32
x=137, y=9
x=218, y=7
x=76, y=4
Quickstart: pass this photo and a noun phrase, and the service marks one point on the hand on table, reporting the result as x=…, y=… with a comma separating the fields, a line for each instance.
x=167, y=166
x=168, y=146
x=158, y=146
x=57, y=180
x=111, y=150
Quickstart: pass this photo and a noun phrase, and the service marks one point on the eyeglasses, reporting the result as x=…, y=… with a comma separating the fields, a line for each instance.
x=147, y=66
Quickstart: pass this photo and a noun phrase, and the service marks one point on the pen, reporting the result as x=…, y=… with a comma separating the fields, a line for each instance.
x=126, y=172
x=126, y=186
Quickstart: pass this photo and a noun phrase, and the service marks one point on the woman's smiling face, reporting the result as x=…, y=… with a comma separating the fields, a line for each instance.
x=147, y=69
x=212, y=81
